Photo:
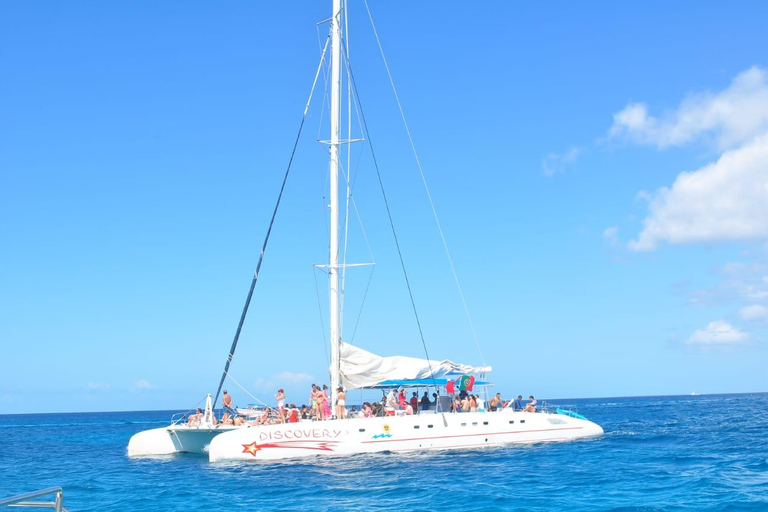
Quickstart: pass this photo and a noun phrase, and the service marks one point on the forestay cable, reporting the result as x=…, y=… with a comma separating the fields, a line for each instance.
x=269, y=229
x=424, y=180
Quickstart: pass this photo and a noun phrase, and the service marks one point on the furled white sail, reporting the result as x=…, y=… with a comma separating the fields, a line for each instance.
x=360, y=368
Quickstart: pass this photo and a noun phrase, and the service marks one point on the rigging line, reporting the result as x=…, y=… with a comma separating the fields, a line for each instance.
x=424, y=180
x=269, y=231
x=346, y=173
x=362, y=304
x=346, y=179
x=245, y=390
x=320, y=310
x=389, y=216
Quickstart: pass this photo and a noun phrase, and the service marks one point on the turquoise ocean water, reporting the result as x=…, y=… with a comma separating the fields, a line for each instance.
x=659, y=454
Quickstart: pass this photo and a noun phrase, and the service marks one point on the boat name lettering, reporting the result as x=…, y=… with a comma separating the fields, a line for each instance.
x=313, y=433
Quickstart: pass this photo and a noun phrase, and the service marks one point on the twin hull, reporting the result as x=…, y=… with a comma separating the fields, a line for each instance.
x=395, y=434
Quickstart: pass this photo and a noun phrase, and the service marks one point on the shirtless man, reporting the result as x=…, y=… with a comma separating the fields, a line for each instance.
x=495, y=402
x=194, y=419
x=226, y=402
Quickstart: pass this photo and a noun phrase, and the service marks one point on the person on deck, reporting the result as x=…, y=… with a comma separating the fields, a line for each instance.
x=531, y=406
x=415, y=402
x=495, y=402
x=280, y=397
x=517, y=405
x=425, y=403
x=392, y=399
x=325, y=402
x=195, y=418
x=226, y=402
x=341, y=404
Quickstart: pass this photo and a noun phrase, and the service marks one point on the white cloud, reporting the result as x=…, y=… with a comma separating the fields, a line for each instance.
x=717, y=334
x=98, y=386
x=723, y=201
x=727, y=119
x=753, y=312
x=143, y=384
x=611, y=235
x=556, y=163
x=294, y=378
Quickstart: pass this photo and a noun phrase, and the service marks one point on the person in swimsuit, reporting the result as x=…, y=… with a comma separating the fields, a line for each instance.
x=226, y=402
x=314, y=409
x=196, y=418
x=495, y=402
x=325, y=403
x=341, y=404
x=280, y=397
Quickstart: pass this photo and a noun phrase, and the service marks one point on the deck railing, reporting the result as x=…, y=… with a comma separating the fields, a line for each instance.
x=22, y=500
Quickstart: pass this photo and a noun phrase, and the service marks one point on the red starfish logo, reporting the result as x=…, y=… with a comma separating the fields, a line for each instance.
x=251, y=448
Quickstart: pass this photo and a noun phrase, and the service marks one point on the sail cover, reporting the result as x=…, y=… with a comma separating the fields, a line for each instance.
x=360, y=368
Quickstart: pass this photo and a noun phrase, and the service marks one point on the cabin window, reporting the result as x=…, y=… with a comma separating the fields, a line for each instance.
x=416, y=426
x=522, y=421
x=463, y=424
x=512, y=422
x=429, y=426
x=362, y=430
x=474, y=423
x=485, y=423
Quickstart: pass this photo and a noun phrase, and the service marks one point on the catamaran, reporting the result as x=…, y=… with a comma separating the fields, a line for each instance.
x=438, y=427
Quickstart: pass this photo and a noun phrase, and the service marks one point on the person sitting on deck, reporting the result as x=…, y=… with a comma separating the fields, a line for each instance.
x=367, y=410
x=195, y=418
x=531, y=406
x=517, y=405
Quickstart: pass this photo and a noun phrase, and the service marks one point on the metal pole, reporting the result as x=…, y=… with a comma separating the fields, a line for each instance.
x=333, y=275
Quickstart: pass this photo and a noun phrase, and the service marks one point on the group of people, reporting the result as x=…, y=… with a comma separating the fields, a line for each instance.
x=320, y=409
x=497, y=404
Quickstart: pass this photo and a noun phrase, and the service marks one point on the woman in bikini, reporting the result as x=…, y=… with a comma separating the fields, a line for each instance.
x=325, y=403
x=341, y=404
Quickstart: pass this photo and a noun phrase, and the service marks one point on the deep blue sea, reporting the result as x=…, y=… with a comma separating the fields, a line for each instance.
x=659, y=453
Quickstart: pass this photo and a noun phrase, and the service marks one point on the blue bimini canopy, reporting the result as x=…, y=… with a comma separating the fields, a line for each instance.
x=410, y=383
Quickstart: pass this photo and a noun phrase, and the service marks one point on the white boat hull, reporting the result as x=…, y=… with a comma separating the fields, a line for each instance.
x=397, y=434
x=174, y=439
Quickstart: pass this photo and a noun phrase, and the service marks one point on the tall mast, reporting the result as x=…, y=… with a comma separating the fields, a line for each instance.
x=333, y=274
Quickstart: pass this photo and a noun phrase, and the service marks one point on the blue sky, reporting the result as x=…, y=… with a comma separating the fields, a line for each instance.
x=600, y=171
